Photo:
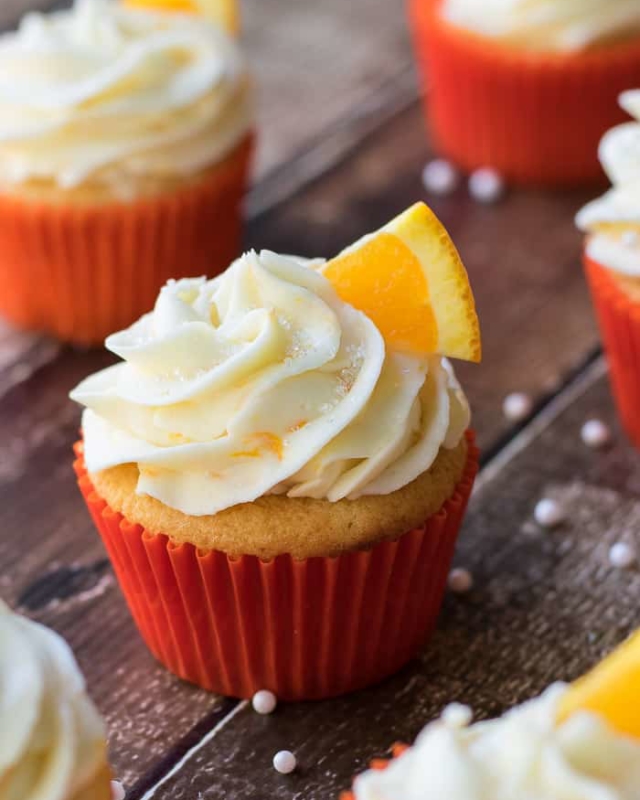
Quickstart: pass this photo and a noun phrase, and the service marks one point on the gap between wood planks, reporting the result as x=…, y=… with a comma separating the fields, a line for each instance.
x=547, y=412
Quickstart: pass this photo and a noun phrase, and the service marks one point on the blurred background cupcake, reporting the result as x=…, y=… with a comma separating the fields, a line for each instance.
x=280, y=478
x=612, y=261
x=526, y=87
x=125, y=144
x=52, y=742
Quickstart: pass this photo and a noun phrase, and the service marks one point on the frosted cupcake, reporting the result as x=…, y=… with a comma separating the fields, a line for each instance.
x=612, y=261
x=125, y=140
x=53, y=744
x=527, y=87
x=280, y=477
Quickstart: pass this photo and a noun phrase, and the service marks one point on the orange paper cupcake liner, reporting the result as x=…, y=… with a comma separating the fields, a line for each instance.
x=305, y=629
x=619, y=321
x=380, y=764
x=535, y=117
x=81, y=272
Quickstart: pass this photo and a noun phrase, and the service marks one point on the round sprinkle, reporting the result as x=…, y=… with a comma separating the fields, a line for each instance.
x=622, y=555
x=630, y=239
x=595, y=433
x=284, y=762
x=486, y=185
x=264, y=702
x=548, y=513
x=517, y=406
x=457, y=715
x=117, y=790
x=440, y=177
x=460, y=580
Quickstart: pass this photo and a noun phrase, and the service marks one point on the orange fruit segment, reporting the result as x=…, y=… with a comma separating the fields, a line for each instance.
x=409, y=280
x=222, y=12
x=611, y=690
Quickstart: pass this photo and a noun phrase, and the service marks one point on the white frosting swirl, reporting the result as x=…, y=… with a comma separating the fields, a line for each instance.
x=52, y=740
x=614, y=219
x=263, y=381
x=108, y=93
x=556, y=25
x=524, y=755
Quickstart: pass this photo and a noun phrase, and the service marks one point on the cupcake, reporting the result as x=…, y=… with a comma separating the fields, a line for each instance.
x=579, y=742
x=125, y=141
x=526, y=87
x=612, y=261
x=56, y=749
x=280, y=465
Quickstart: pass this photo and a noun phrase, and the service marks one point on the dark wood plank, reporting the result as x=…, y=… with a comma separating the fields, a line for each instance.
x=545, y=607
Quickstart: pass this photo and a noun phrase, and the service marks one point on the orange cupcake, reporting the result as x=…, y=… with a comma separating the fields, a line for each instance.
x=125, y=143
x=527, y=88
x=612, y=262
x=280, y=466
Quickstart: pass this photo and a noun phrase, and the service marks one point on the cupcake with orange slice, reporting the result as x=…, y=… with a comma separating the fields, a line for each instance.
x=53, y=745
x=526, y=87
x=280, y=466
x=579, y=742
x=612, y=261
x=125, y=143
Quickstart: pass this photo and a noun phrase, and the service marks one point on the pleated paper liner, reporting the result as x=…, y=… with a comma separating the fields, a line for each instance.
x=619, y=321
x=537, y=118
x=304, y=629
x=81, y=272
x=380, y=764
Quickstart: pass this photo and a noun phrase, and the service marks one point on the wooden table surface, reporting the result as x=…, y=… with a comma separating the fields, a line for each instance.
x=343, y=146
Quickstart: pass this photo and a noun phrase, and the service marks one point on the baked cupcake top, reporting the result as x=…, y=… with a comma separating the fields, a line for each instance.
x=264, y=381
x=524, y=754
x=106, y=94
x=613, y=220
x=553, y=25
x=52, y=740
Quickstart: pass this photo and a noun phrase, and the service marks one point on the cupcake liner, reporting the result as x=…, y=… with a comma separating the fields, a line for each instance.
x=380, y=764
x=534, y=117
x=619, y=321
x=81, y=272
x=304, y=629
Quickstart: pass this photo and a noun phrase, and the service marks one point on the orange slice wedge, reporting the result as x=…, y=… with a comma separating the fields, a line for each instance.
x=409, y=280
x=611, y=690
x=222, y=12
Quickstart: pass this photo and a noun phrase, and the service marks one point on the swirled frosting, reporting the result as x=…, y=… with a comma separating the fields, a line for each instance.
x=556, y=25
x=110, y=94
x=263, y=381
x=613, y=220
x=523, y=755
x=52, y=740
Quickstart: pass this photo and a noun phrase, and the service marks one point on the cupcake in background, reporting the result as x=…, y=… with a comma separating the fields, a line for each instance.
x=280, y=465
x=125, y=143
x=612, y=261
x=526, y=87
x=52, y=740
x=580, y=741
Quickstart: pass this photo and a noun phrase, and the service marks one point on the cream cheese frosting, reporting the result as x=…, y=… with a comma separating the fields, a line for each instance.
x=555, y=25
x=524, y=755
x=263, y=381
x=613, y=220
x=52, y=740
x=106, y=93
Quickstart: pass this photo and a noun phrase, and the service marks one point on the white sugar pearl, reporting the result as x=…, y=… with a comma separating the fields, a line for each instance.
x=622, y=555
x=630, y=239
x=517, y=406
x=264, y=702
x=460, y=580
x=117, y=790
x=486, y=185
x=548, y=513
x=457, y=715
x=440, y=177
x=284, y=762
x=595, y=433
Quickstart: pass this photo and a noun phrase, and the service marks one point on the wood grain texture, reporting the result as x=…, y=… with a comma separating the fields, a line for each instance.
x=545, y=607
